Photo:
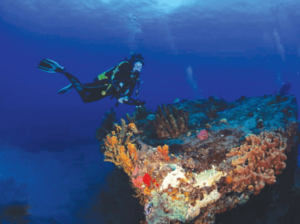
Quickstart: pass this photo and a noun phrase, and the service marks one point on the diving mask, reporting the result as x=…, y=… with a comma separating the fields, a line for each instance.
x=137, y=67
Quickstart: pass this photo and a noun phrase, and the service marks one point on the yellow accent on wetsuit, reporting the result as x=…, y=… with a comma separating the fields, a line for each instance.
x=103, y=76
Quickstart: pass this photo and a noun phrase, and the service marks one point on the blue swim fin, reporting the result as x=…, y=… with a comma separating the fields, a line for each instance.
x=50, y=66
x=65, y=89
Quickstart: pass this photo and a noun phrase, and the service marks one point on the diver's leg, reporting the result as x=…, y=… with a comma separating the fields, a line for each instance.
x=85, y=93
x=92, y=96
x=50, y=66
x=75, y=82
x=93, y=92
x=89, y=92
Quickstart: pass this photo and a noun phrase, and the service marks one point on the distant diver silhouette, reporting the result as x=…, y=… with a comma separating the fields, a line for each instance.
x=285, y=88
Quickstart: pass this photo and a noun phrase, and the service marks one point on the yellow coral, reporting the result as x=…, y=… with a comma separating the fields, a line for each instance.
x=108, y=141
x=114, y=141
x=109, y=154
x=132, y=151
x=128, y=139
x=127, y=163
x=208, y=126
x=133, y=127
x=118, y=128
x=111, y=142
x=120, y=152
x=163, y=150
x=174, y=197
x=121, y=149
x=186, y=194
x=166, y=149
x=147, y=191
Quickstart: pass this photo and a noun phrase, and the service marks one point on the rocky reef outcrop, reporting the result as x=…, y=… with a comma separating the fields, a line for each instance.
x=195, y=159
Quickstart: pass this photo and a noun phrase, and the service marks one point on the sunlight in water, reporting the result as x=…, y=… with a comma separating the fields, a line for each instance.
x=168, y=3
x=172, y=3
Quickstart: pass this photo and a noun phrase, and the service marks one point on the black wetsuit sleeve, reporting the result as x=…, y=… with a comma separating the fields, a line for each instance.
x=138, y=88
x=134, y=102
x=131, y=88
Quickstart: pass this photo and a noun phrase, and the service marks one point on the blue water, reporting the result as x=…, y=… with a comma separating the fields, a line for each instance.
x=49, y=158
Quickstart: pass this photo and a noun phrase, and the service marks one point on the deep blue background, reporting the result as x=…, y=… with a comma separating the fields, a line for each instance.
x=49, y=158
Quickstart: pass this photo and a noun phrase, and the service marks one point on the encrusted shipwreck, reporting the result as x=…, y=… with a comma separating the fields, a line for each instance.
x=181, y=176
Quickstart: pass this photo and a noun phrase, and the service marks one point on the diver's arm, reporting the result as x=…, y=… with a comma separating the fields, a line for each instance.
x=137, y=88
x=131, y=101
x=130, y=91
x=132, y=85
x=127, y=100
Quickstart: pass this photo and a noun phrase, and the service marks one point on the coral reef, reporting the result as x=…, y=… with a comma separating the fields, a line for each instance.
x=119, y=148
x=202, y=135
x=139, y=113
x=170, y=122
x=212, y=112
x=194, y=178
x=260, y=158
x=108, y=122
x=214, y=106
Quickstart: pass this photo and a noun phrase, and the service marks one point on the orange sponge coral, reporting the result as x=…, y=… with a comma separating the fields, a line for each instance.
x=133, y=128
x=164, y=151
x=132, y=151
x=111, y=142
x=257, y=161
x=119, y=148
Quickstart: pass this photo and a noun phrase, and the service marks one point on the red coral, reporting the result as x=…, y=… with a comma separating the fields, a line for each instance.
x=147, y=179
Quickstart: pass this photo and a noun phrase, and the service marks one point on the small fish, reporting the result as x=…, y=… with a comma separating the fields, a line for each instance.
x=151, y=117
x=177, y=100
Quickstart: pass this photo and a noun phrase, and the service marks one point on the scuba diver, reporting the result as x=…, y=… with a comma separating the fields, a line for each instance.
x=118, y=82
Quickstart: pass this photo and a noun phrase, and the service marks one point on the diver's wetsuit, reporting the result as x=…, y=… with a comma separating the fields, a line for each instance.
x=116, y=82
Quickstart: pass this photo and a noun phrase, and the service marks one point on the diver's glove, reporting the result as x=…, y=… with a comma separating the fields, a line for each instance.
x=129, y=101
x=123, y=99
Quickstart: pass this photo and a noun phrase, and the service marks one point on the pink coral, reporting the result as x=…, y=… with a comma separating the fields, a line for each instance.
x=202, y=135
x=136, y=169
x=138, y=182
